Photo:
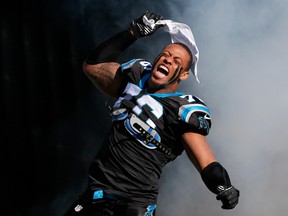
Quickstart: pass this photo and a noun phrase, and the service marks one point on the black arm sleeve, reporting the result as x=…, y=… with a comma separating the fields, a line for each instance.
x=215, y=175
x=110, y=50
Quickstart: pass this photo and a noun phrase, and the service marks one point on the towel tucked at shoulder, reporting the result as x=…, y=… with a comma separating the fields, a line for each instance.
x=182, y=33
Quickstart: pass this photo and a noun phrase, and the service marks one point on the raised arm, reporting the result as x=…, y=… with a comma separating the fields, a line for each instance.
x=213, y=174
x=101, y=64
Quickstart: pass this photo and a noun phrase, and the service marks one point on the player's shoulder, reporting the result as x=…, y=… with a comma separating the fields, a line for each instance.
x=186, y=104
x=190, y=104
x=179, y=99
x=137, y=64
x=194, y=112
x=190, y=100
x=137, y=70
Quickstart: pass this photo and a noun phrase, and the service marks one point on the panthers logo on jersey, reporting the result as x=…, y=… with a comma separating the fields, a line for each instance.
x=193, y=111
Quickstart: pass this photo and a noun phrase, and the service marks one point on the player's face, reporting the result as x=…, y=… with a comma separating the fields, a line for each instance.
x=172, y=59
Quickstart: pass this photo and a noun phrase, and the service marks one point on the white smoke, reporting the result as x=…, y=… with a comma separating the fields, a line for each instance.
x=243, y=73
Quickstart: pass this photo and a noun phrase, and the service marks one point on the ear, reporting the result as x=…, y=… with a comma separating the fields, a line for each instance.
x=184, y=75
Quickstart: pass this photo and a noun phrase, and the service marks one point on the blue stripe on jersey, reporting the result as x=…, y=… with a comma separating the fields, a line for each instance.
x=119, y=117
x=143, y=80
x=188, y=110
x=150, y=210
x=128, y=64
x=167, y=94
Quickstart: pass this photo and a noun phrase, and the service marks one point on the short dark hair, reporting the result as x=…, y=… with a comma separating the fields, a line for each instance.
x=190, y=55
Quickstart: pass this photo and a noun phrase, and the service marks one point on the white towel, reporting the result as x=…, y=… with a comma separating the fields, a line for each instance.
x=182, y=33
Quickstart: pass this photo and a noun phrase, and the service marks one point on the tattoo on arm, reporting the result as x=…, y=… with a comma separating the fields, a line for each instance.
x=106, y=77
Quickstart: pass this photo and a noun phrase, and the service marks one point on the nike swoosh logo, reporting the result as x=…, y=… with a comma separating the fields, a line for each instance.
x=207, y=117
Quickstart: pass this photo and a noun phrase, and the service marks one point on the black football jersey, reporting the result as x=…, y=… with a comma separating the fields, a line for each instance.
x=128, y=162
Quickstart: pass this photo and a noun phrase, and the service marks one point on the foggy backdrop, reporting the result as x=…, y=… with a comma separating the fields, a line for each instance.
x=54, y=119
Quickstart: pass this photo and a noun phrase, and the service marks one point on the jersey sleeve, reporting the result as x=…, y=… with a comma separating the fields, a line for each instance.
x=137, y=70
x=195, y=117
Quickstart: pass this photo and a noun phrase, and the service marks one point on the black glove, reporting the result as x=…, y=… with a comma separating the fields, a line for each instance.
x=138, y=27
x=229, y=196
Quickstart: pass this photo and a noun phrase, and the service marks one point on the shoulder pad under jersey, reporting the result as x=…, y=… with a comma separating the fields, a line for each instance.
x=136, y=65
x=196, y=114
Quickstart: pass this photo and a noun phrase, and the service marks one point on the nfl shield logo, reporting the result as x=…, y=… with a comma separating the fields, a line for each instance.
x=78, y=208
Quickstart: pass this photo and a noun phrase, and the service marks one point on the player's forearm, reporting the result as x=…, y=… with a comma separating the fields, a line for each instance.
x=217, y=180
x=215, y=175
x=101, y=64
x=110, y=50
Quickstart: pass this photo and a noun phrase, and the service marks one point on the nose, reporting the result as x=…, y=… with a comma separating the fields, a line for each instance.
x=168, y=60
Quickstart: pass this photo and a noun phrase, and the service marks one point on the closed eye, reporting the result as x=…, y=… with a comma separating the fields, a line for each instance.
x=178, y=61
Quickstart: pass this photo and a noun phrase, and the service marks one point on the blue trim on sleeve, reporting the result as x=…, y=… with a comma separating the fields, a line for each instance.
x=167, y=94
x=193, y=108
x=98, y=194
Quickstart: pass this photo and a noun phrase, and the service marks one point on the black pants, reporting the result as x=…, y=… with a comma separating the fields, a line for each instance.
x=108, y=207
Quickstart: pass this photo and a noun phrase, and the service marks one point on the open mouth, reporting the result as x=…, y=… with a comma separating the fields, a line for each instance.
x=162, y=71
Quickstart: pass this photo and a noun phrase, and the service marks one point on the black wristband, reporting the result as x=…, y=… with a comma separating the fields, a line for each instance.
x=215, y=175
x=110, y=50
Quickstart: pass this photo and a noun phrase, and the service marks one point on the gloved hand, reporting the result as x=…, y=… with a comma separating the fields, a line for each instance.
x=140, y=29
x=229, y=196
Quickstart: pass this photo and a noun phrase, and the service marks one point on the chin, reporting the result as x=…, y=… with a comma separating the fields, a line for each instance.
x=157, y=81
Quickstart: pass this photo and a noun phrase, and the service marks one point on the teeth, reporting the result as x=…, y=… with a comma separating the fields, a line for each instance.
x=164, y=68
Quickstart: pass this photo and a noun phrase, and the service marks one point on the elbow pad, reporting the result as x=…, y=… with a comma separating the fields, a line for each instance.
x=215, y=177
x=110, y=50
